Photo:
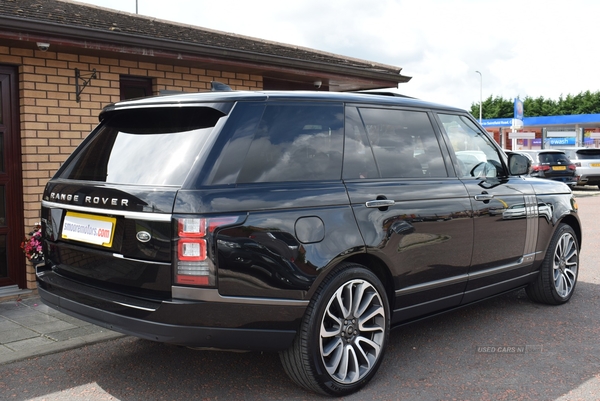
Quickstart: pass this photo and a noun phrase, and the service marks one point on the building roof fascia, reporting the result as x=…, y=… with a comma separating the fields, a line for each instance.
x=545, y=121
x=572, y=119
x=23, y=28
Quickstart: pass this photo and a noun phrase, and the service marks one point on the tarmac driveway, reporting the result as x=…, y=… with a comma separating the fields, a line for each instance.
x=506, y=348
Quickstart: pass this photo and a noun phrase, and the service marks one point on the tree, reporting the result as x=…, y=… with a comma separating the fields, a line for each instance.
x=494, y=108
x=539, y=107
x=583, y=103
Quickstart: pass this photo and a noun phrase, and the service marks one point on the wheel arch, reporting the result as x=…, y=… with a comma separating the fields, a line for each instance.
x=575, y=225
x=310, y=361
x=370, y=262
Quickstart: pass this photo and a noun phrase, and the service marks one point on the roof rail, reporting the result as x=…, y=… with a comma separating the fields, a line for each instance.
x=384, y=94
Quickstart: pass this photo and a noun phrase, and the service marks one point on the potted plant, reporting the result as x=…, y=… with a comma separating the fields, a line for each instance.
x=32, y=246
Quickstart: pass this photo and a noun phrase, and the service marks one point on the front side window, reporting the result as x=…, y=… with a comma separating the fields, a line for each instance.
x=476, y=155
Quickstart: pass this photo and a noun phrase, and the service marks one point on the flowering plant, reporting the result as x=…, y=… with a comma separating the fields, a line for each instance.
x=32, y=246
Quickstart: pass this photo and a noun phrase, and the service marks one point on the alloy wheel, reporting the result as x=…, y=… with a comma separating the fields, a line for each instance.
x=565, y=265
x=352, y=331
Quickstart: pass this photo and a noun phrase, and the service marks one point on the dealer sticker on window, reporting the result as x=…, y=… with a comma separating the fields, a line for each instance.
x=97, y=230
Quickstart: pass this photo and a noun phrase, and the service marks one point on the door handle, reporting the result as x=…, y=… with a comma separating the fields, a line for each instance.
x=484, y=197
x=380, y=203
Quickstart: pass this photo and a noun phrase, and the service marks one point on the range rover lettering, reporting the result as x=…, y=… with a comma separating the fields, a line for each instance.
x=306, y=223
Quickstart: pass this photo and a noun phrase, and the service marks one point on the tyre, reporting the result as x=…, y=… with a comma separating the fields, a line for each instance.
x=558, y=275
x=343, y=335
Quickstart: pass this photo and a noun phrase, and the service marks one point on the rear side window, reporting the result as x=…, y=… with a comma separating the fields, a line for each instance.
x=296, y=142
x=386, y=143
x=143, y=147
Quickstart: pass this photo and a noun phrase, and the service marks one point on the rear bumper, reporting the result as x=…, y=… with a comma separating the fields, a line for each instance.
x=189, y=323
x=570, y=180
x=589, y=179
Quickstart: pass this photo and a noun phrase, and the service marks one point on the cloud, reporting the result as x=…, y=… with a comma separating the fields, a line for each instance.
x=533, y=48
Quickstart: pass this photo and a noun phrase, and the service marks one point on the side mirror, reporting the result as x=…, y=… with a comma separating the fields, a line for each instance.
x=518, y=164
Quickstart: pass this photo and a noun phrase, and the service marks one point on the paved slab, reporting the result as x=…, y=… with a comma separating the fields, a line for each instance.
x=28, y=328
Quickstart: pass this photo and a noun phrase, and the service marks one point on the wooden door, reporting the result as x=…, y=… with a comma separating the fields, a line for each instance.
x=12, y=261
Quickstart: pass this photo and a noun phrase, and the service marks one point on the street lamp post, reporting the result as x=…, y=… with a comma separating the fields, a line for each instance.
x=480, y=92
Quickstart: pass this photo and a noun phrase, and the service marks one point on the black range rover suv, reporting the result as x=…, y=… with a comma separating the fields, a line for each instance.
x=304, y=223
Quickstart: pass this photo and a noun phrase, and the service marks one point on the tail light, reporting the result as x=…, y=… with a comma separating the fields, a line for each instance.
x=572, y=167
x=193, y=263
x=540, y=167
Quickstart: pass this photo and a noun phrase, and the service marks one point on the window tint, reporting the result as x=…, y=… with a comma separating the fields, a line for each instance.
x=358, y=156
x=402, y=142
x=476, y=155
x=296, y=142
x=553, y=158
x=143, y=147
x=591, y=153
x=547, y=157
x=223, y=165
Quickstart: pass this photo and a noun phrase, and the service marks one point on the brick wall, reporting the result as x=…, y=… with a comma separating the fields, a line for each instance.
x=53, y=123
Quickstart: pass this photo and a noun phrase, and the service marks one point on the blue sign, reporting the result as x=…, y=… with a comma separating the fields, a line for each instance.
x=547, y=121
x=518, y=109
x=497, y=122
x=561, y=141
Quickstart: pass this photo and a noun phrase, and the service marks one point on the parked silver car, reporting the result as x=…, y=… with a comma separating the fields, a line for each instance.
x=587, y=162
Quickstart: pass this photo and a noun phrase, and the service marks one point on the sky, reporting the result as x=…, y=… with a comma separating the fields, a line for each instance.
x=521, y=48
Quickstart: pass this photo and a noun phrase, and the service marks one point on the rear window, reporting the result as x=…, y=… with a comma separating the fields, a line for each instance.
x=143, y=147
x=553, y=158
x=588, y=154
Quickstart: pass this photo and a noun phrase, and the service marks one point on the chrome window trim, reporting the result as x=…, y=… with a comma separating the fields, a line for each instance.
x=166, y=217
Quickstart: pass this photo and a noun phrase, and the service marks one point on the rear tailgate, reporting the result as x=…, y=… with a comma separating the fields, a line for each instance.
x=559, y=166
x=118, y=239
x=106, y=215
